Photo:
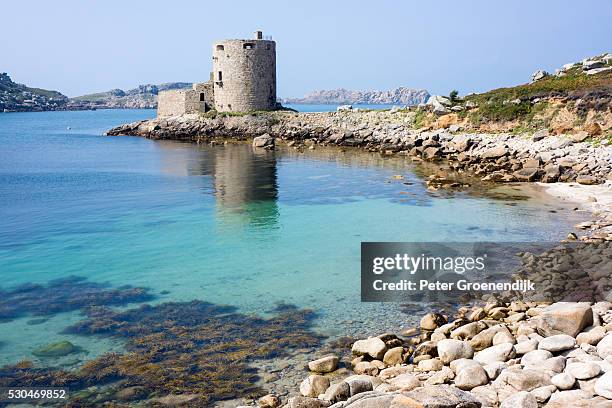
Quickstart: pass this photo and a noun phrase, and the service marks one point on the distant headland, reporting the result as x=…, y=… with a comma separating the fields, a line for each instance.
x=16, y=97
x=396, y=96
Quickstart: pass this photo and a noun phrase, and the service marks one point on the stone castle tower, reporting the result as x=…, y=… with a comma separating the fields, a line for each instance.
x=244, y=74
x=243, y=79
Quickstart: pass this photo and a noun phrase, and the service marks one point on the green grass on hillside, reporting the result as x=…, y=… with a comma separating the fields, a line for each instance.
x=502, y=105
x=92, y=97
x=47, y=93
x=212, y=114
x=574, y=81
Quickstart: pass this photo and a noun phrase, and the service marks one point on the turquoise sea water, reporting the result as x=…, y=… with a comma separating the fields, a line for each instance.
x=225, y=224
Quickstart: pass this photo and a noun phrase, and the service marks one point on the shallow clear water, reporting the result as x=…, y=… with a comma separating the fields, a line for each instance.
x=226, y=224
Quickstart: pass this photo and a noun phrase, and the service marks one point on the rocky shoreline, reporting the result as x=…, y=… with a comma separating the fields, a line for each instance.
x=497, y=157
x=502, y=352
x=509, y=355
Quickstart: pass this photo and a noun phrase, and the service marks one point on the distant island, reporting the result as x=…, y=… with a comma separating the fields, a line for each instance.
x=142, y=97
x=16, y=97
x=397, y=96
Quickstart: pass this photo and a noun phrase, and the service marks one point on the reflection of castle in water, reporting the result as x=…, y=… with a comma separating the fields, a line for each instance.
x=244, y=180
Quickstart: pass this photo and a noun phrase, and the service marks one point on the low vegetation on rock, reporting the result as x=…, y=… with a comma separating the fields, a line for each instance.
x=577, y=97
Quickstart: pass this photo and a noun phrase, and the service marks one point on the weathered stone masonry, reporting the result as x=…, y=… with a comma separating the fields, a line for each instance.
x=182, y=101
x=243, y=80
x=244, y=75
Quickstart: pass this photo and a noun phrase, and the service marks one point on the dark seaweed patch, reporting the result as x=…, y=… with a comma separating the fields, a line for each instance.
x=64, y=295
x=282, y=307
x=37, y=321
x=181, y=348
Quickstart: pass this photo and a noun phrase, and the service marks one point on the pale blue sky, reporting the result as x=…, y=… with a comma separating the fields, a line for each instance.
x=82, y=46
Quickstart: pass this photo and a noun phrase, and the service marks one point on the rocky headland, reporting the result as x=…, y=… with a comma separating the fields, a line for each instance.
x=16, y=97
x=397, y=96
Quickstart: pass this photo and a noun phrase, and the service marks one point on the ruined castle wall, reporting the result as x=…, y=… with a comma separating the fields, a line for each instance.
x=177, y=102
x=244, y=75
x=204, y=90
x=171, y=102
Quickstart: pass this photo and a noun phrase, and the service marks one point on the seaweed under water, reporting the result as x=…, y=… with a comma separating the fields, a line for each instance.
x=195, y=349
x=65, y=295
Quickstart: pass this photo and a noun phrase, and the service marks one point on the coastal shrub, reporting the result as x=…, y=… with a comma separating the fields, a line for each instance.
x=380, y=110
x=546, y=87
x=420, y=119
x=605, y=139
x=211, y=114
x=520, y=130
x=503, y=111
x=496, y=105
x=240, y=114
x=272, y=119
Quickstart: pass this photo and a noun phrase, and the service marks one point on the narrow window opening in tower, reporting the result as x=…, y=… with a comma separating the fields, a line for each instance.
x=202, y=97
x=229, y=106
x=220, y=76
x=220, y=47
x=248, y=46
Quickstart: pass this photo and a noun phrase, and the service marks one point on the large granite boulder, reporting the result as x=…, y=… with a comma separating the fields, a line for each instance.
x=471, y=377
x=432, y=321
x=433, y=396
x=374, y=347
x=325, y=364
x=603, y=386
x=305, y=402
x=522, y=380
x=604, y=347
x=440, y=396
x=265, y=141
x=539, y=74
x=451, y=350
x=521, y=399
x=314, y=385
x=564, y=318
x=501, y=352
x=484, y=339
